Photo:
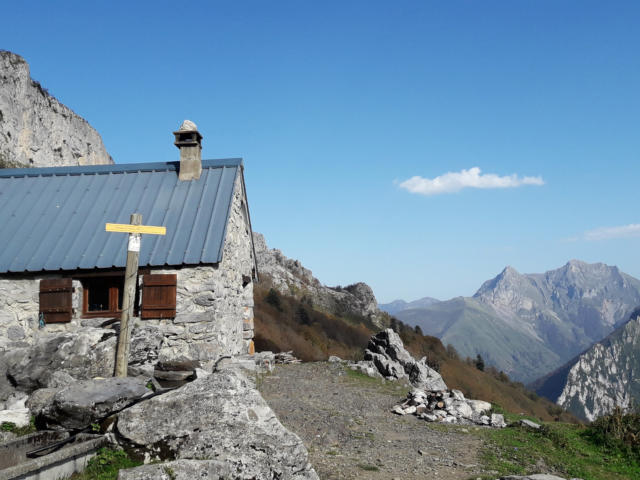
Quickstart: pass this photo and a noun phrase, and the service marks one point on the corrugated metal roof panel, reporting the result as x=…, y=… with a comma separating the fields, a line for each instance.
x=54, y=218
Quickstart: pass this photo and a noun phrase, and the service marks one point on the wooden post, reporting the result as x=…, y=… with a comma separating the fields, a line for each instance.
x=128, y=298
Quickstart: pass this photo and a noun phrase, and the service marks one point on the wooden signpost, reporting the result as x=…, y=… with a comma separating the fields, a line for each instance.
x=135, y=229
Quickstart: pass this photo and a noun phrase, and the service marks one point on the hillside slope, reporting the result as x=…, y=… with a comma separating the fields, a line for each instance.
x=36, y=130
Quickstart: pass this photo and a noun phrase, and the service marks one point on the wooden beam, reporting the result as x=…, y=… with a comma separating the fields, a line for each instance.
x=128, y=297
x=127, y=228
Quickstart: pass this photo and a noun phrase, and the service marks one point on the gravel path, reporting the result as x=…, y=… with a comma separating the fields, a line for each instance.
x=345, y=422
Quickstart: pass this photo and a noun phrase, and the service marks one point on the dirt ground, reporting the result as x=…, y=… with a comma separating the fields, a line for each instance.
x=345, y=422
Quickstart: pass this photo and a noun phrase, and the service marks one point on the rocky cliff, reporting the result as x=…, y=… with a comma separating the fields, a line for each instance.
x=36, y=130
x=290, y=277
x=604, y=376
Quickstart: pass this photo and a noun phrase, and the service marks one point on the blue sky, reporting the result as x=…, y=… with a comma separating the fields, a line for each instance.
x=334, y=105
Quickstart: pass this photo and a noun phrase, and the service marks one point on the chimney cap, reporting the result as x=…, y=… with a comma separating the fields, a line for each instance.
x=188, y=126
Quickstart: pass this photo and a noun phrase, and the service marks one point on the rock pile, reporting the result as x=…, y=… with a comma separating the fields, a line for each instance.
x=448, y=406
x=431, y=399
x=286, y=358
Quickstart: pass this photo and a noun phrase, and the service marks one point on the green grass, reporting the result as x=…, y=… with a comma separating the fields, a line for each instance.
x=564, y=449
x=19, y=431
x=105, y=465
x=367, y=467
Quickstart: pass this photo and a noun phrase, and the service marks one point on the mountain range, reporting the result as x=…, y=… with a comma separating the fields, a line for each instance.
x=530, y=324
x=399, y=305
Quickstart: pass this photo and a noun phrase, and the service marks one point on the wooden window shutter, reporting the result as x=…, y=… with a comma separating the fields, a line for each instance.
x=55, y=299
x=159, y=296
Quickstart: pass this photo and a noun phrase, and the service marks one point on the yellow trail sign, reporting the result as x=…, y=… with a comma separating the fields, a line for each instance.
x=128, y=228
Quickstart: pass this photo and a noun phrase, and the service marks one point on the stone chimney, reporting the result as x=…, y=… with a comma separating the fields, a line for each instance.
x=189, y=141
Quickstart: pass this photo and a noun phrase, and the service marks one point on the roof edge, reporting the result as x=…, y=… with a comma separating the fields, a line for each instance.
x=115, y=168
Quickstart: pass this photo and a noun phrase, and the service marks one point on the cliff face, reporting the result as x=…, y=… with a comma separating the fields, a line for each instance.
x=36, y=130
x=291, y=278
x=606, y=375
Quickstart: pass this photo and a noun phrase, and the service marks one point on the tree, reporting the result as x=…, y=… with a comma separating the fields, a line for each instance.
x=480, y=363
x=418, y=330
x=394, y=324
x=452, y=352
x=302, y=316
x=273, y=299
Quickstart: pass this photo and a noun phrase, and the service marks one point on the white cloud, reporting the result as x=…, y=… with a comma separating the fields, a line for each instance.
x=607, y=233
x=452, y=182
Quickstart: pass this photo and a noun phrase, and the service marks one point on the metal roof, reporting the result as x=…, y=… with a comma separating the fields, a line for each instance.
x=54, y=218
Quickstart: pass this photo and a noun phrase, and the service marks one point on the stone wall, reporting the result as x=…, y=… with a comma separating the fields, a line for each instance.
x=215, y=303
x=214, y=313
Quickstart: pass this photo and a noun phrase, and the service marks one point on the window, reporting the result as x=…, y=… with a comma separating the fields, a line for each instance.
x=102, y=296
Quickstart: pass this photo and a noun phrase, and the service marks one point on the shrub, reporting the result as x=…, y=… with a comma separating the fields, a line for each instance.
x=618, y=430
x=273, y=299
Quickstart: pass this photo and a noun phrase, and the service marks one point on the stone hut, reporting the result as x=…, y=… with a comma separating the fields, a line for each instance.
x=61, y=271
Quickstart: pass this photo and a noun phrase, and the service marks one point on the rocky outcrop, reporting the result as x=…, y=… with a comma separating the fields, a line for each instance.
x=220, y=420
x=386, y=357
x=290, y=277
x=36, y=130
x=605, y=376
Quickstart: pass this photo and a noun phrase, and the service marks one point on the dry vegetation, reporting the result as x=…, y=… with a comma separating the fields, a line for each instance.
x=286, y=323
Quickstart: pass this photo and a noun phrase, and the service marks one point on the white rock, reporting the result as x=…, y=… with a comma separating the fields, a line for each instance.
x=188, y=126
x=479, y=406
x=460, y=408
x=529, y=424
x=450, y=419
x=398, y=410
x=411, y=409
x=497, y=420
x=429, y=417
x=457, y=394
x=19, y=417
x=16, y=401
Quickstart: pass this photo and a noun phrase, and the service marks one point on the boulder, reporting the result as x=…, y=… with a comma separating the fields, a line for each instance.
x=479, y=406
x=39, y=399
x=78, y=406
x=61, y=358
x=421, y=375
x=497, y=420
x=191, y=469
x=535, y=476
x=221, y=417
x=529, y=424
x=460, y=408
